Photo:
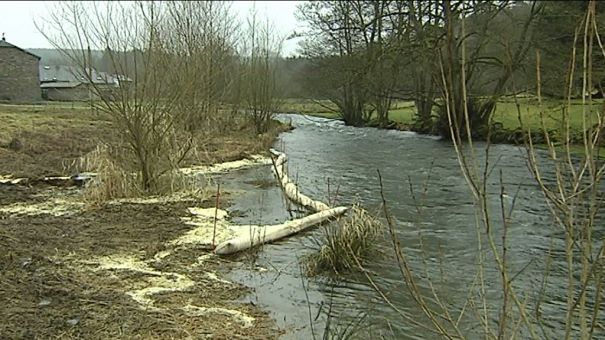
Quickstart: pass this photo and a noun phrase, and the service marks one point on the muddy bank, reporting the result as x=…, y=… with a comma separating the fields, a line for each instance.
x=114, y=271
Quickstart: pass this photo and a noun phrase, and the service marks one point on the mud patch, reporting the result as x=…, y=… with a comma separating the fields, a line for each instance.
x=10, y=194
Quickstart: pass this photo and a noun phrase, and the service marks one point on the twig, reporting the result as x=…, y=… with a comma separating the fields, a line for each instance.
x=218, y=194
x=302, y=280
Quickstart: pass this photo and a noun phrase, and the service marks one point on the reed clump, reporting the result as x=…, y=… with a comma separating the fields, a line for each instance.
x=113, y=181
x=345, y=243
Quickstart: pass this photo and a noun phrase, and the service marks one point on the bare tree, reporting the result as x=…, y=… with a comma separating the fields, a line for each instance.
x=476, y=101
x=575, y=197
x=335, y=41
x=164, y=67
x=260, y=53
x=202, y=33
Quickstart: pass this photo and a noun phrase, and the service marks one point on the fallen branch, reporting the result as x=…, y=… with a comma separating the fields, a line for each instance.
x=258, y=235
x=290, y=189
x=59, y=181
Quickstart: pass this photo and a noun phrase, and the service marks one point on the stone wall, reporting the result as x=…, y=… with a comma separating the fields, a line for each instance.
x=19, y=76
x=78, y=93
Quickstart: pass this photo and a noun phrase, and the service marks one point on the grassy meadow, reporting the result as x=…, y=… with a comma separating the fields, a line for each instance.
x=506, y=112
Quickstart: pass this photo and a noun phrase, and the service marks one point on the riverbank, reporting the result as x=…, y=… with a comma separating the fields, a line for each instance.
x=507, y=129
x=76, y=271
x=117, y=269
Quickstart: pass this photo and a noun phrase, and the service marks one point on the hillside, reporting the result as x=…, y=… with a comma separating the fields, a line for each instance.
x=51, y=56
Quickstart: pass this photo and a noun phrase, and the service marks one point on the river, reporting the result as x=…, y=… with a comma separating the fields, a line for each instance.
x=437, y=230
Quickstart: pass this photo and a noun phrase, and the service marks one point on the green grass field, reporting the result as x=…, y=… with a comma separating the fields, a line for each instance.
x=552, y=111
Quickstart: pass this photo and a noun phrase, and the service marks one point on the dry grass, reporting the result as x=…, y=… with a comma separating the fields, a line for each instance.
x=45, y=293
x=345, y=243
x=18, y=119
x=47, y=139
x=111, y=182
x=117, y=177
x=114, y=181
x=41, y=140
x=232, y=137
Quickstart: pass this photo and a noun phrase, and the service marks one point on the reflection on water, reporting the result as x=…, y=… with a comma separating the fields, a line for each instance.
x=441, y=219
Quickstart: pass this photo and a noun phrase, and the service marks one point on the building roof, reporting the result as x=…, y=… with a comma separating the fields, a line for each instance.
x=71, y=76
x=60, y=84
x=4, y=43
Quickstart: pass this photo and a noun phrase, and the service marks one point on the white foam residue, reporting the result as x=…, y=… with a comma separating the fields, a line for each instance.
x=226, y=166
x=158, y=282
x=246, y=320
x=161, y=255
x=204, y=231
x=9, y=179
x=208, y=213
x=201, y=259
x=214, y=277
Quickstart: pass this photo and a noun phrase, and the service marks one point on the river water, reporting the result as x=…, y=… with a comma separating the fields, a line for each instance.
x=436, y=228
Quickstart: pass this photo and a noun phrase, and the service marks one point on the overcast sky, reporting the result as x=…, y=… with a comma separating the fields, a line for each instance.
x=17, y=20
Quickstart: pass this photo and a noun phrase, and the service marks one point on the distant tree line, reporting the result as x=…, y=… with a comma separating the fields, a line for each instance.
x=360, y=55
x=363, y=55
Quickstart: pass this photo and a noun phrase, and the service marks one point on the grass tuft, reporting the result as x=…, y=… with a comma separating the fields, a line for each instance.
x=111, y=182
x=344, y=243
